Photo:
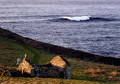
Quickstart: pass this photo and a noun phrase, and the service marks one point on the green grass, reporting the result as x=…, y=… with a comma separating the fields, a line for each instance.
x=10, y=50
x=81, y=71
x=20, y=80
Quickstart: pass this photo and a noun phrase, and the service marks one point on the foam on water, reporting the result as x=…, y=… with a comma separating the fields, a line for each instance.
x=81, y=18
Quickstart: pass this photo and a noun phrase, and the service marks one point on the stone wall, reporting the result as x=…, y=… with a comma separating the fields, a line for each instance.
x=67, y=73
x=46, y=73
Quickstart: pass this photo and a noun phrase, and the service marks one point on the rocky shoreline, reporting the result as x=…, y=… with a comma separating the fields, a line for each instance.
x=60, y=50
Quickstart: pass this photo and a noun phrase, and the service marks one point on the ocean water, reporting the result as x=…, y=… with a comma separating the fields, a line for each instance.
x=88, y=25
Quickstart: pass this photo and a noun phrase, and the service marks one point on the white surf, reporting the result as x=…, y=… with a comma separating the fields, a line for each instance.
x=81, y=18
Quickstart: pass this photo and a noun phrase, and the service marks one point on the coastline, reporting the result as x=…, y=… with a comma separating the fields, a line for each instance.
x=60, y=50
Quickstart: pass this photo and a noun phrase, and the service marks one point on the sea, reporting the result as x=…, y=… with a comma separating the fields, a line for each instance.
x=89, y=25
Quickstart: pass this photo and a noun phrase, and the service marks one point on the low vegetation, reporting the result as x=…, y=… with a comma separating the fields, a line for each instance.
x=82, y=72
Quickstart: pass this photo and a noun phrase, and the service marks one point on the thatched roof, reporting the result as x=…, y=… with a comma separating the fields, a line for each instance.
x=59, y=61
x=29, y=62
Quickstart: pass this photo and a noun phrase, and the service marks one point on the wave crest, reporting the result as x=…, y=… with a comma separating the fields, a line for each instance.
x=81, y=18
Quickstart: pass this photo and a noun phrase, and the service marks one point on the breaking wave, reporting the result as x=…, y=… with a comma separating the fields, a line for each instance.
x=83, y=18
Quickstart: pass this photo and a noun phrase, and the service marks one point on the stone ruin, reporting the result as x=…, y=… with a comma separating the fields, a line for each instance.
x=58, y=67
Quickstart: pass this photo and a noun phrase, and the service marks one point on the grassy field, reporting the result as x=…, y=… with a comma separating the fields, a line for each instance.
x=82, y=72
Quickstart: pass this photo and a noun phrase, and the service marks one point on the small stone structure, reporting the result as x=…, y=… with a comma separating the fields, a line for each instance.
x=18, y=61
x=58, y=67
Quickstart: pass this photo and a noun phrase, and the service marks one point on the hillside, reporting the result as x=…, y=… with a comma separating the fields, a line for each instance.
x=60, y=50
x=13, y=46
